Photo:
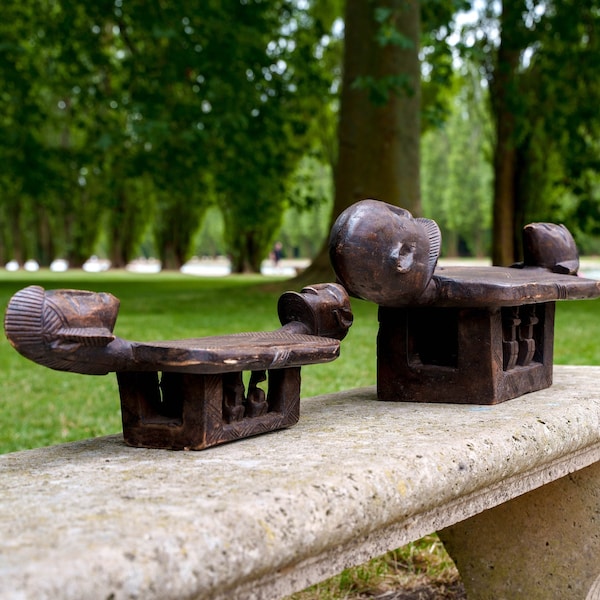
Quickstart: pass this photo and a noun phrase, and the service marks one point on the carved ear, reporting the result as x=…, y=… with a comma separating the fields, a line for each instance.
x=434, y=235
x=86, y=336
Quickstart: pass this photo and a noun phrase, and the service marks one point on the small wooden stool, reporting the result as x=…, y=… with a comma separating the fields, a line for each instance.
x=456, y=334
x=185, y=394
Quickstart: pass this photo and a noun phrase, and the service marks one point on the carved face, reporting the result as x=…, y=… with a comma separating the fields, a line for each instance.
x=81, y=309
x=381, y=253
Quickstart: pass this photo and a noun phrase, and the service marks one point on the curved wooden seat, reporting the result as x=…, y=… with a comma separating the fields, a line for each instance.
x=240, y=351
x=188, y=393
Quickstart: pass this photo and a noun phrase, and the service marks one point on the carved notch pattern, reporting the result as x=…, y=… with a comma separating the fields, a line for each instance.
x=237, y=404
x=521, y=335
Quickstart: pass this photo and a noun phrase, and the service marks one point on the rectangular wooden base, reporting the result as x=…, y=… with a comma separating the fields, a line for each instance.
x=464, y=355
x=186, y=411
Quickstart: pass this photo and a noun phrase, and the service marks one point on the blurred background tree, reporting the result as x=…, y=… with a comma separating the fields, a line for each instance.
x=539, y=59
x=224, y=125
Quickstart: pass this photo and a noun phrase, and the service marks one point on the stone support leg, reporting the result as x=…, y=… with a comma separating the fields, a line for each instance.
x=542, y=545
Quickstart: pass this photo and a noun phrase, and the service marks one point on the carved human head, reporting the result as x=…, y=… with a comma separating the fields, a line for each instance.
x=380, y=252
x=551, y=246
x=64, y=320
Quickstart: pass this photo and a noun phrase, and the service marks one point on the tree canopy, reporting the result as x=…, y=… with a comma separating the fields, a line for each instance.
x=126, y=121
x=540, y=59
x=137, y=113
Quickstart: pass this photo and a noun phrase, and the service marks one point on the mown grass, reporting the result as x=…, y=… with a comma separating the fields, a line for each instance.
x=422, y=563
x=40, y=407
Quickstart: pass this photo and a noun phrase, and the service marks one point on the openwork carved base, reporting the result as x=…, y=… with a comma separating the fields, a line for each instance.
x=187, y=411
x=464, y=355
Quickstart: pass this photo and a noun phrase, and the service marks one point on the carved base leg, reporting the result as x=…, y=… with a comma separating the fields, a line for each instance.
x=464, y=355
x=186, y=411
x=544, y=544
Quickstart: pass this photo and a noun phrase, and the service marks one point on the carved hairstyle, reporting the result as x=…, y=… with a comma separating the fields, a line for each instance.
x=61, y=320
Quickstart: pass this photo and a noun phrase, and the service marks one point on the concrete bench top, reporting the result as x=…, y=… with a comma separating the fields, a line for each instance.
x=265, y=516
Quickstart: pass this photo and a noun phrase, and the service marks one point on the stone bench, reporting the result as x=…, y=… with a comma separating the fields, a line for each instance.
x=513, y=490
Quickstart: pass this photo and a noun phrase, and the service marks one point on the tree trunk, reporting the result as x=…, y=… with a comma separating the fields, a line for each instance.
x=378, y=141
x=503, y=250
x=247, y=255
x=451, y=244
x=504, y=90
x=44, y=241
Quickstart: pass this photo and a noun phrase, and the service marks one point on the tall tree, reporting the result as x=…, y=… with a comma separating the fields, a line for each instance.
x=504, y=86
x=456, y=172
x=266, y=122
x=540, y=59
x=156, y=109
x=380, y=107
x=379, y=128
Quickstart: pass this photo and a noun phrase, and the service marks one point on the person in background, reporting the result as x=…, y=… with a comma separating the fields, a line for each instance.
x=277, y=253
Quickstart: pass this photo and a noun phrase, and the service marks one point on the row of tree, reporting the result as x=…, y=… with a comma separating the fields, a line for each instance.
x=537, y=59
x=544, y=92
x=119, y=119
x=119, y=116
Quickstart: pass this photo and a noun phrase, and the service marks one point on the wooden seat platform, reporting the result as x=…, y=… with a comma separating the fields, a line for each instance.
x=234, y=352
x=503, y=286
x=192, y=393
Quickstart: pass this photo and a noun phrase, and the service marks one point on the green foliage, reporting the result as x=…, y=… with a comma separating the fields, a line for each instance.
x=210, y=239
x=154, y=112
x=456, y=175
x=437, y=26
x=388, y=34
x=544, y=89
x=437, y=85
x=305, y=222
x=120, y=120
x=279, y=98
x=27, y=176
x=381, y=88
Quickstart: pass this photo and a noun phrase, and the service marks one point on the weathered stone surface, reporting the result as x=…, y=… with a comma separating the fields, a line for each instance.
x=544, y=544
x=265, y=516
